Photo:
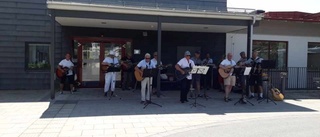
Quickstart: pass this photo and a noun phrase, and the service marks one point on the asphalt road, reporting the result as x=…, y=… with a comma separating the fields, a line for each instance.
x=291, y=126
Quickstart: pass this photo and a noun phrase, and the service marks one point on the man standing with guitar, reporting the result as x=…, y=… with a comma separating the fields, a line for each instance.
x=127, y=70
x=229, y=80
x=65, y=68
x=146, y=63
x=110, y=77
x=184, y=66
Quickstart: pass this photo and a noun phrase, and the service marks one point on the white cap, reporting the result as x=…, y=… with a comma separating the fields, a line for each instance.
x=111, y=53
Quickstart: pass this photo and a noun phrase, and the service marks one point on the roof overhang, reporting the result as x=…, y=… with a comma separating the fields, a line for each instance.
x=69, y=14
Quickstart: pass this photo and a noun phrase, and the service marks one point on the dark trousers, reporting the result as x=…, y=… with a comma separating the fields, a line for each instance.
x=185, y=87
x=127, y=80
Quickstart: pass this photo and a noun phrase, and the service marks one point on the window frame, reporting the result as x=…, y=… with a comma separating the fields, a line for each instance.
x=310, y=43
x=27, y=45
x=269, y=47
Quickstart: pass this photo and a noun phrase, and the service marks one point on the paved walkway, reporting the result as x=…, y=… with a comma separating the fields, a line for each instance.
x=87, y=113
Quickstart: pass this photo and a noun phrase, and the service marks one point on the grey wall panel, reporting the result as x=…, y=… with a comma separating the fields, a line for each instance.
x=7, y=38
x=7, y=27
x=7, y=16
x=7, y=4
x=33, y=17
x=32, y=6
x=33, y=28
x=23, y=21
x=33, y=39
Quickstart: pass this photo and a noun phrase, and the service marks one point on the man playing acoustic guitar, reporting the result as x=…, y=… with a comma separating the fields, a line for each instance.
x=146, y=63
x=185, y=64
x=110, y=77
x=66, y=68
x=230, y=81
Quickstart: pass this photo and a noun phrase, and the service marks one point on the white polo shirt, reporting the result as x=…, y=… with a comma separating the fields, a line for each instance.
x=146, y=65
x=184, y=63
x=68, y=64
x=156, y=61
x=227, y=62
x=111, y=61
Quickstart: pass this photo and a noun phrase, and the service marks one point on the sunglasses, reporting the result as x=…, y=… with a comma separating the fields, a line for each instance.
x=147, y=58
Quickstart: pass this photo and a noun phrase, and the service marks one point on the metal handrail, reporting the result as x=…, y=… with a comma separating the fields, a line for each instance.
x=176, y=5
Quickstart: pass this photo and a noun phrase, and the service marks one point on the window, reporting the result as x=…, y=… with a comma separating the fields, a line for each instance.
x=313, y=55
x=37, y=56
x=272, y=50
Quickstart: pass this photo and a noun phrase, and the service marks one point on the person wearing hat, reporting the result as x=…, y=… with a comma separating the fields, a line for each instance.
x=110, y=77
x=196, y=77
x=185, y=63
x=146, y=63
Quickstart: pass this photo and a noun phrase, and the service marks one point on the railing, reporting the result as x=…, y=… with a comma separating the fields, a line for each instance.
x=297, y=78
x=175, y=5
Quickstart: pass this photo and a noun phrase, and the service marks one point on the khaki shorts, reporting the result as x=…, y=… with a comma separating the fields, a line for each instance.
x=230, y=81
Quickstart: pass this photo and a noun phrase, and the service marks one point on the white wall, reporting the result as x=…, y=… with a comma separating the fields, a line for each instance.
x=297, y=53
x=297, y=46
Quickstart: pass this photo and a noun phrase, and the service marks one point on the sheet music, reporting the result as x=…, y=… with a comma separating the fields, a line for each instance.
x=200, y=70
x=247, y=71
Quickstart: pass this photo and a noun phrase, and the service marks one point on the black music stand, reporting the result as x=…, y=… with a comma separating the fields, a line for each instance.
x=196, y=70
x=113, y=69
x=268, y=64
x=245, y=74
x=149, y=73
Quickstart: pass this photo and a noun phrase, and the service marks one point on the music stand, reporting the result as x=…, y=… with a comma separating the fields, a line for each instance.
x=113, y=69
x=149, y=73
x=198, y=70
x=268, y=64
x=245, y=74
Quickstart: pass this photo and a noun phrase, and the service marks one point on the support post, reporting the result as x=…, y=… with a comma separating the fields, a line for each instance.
x=159, y=54
x=52, y=46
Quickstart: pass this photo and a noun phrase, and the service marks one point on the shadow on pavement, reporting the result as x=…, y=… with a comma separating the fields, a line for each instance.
x=91, y=102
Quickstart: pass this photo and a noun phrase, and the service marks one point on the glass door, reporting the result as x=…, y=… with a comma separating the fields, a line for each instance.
x=89, y=54
x=91, y=62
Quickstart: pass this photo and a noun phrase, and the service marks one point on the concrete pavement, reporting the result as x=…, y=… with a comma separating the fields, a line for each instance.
x=88, y=113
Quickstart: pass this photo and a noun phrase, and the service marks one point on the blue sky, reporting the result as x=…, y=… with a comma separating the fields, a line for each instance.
x=311, y=6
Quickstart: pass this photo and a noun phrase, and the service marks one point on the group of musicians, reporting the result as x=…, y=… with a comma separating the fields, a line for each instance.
x=255, y=77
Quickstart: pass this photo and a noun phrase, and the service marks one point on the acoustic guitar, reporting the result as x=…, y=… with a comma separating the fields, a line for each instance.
x=180, y=76
x=60, y=74
x=277, y=95
x=225, y=73
x=139, y=77
x=106, y=68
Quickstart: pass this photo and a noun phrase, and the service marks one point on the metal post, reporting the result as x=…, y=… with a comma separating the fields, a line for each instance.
x=159, y=55
x=52, y=66
x=249, y=48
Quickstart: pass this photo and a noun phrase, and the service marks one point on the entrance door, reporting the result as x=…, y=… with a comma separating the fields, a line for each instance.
x=90, y=52
x=91, y=62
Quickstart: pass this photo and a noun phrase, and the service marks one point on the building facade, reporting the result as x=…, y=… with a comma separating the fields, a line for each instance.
x=290, y=38
x=89, y=29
